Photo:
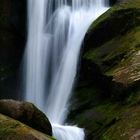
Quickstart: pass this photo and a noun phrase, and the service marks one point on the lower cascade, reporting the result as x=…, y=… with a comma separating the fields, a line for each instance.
x=56, y=29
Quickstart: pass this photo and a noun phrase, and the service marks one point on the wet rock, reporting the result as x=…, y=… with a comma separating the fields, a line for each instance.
x=112, y=43
x=27, y=113
x=15, y=130
x=109, y=73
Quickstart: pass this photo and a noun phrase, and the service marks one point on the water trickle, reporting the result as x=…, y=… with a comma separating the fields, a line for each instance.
x=56, y=29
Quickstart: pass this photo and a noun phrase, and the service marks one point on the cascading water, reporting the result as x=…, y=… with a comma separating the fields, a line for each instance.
x=56, y=29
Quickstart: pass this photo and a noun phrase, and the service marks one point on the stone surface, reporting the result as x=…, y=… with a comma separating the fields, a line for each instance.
x=127, y=127
x=109, y=75
x=27, y=113
x=11, y=129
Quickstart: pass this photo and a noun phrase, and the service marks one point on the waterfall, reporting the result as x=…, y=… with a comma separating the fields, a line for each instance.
x=56, y=29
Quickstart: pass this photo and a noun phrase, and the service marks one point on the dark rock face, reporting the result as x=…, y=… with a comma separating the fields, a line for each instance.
x=112, y=2
x=12, y=42
x=26, y=113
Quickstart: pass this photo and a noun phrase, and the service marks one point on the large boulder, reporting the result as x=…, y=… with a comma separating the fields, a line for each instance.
x=109, y=73
x=112, y=46
x=27, y=113
x=112, y=42
x=11, y=129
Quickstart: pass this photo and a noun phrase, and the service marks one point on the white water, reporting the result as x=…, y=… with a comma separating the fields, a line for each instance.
x=55, y=34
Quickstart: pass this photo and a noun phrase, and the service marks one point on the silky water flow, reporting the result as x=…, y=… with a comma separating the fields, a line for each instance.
x=56, y=29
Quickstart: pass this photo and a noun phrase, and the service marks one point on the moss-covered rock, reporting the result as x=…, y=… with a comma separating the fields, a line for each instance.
x=113, y=42
x=126, y=128
x=27, y=113
x=15, y=130
x=109, y=81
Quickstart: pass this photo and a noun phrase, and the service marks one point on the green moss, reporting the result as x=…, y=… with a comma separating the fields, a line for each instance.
x=101, y=115
x=135, y=4
x=110, y=110
x=125, y=127
x=117, y=55
x=113, y=25
x=15, y=130
x=134, y=98
x=122, y=45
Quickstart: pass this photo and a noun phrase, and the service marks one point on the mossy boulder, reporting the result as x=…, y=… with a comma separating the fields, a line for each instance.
x=15, y=130
x=109, y=77
x=113, y=42
x=27, y=113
